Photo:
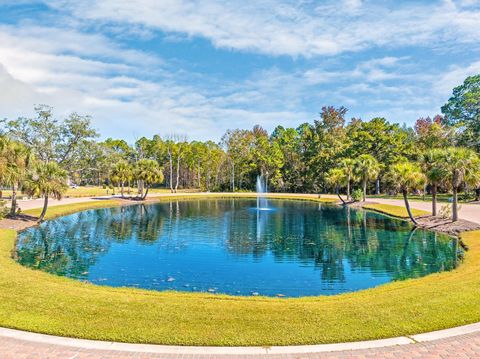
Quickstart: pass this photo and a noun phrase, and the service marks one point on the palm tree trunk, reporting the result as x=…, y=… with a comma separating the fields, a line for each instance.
x=434, y=199
x=13, y=209
x=123, y=185
x=338, y=194
x=407, y=206
x=44, y=210
x=455, y=205
x=364, y=190
x=146, y=193
x=348, y=188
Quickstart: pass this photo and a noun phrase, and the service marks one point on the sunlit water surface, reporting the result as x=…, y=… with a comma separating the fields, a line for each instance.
x=296, y=249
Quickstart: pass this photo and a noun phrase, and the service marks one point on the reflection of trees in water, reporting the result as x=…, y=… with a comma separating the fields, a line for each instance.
x=332, y=237
x=66, y=246
x=326, y=237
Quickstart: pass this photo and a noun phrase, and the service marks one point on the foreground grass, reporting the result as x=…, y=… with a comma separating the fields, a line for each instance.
x=36, y=301
x=396, y=211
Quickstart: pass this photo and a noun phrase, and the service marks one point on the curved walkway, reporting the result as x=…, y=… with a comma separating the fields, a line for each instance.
x=468, y=212
x=462, y=342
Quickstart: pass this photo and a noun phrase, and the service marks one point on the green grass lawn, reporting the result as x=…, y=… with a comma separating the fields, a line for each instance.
x=92, y=191
x=395, y=211
x=441, y=197
x=36, y=301
x=65, y=209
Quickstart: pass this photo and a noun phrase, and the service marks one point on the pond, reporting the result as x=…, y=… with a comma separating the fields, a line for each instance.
x=298, y=248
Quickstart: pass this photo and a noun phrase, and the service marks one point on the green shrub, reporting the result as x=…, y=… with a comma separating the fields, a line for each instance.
x=357, y=195
x=3, y=210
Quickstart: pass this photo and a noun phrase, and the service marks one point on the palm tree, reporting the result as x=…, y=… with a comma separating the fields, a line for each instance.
x=461, y=164
x=16, y=159
x=47, y=179
x=348, y=167
x=472, y=177
x=337, y=177
x=366, y=168
x=149, y=172
x=122, y=172
x=406, y=176
x=433, y=166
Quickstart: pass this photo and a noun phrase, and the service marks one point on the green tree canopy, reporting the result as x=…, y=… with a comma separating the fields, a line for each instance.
x=463, y=110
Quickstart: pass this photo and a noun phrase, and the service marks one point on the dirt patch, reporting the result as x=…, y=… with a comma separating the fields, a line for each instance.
x=21, y=222
x=445, y=225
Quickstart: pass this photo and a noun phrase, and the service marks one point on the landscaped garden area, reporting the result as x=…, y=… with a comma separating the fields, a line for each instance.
x=244, y=261
x=37, y=301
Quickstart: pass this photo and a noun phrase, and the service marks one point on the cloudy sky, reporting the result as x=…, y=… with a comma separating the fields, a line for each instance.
x=200, y=67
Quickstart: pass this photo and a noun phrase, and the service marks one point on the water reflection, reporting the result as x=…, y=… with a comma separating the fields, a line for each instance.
x=300, y=248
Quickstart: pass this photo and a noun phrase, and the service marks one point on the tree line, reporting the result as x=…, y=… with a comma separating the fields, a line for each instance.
x=332, y=152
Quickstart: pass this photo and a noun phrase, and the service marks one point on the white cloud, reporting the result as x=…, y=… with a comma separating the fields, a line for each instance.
x=293, y=27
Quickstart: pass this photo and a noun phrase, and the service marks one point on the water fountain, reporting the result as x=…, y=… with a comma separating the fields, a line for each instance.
x=262, y=202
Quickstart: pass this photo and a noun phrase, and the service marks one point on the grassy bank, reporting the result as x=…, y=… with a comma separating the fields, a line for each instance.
x=65, y=209
x=395, y=211
x=92, y=191
x=36, y=301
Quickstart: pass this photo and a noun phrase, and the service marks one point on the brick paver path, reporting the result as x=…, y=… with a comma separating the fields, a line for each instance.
x=463, y=346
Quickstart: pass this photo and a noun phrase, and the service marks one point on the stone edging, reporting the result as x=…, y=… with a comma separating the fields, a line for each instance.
x=170, y=349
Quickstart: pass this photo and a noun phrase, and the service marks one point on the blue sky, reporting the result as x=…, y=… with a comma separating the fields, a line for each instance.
x=197, y=68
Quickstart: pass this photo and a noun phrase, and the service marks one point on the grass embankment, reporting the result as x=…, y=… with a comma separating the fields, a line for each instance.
x=441, y=197
x=65, y=209
x=395, y=211
x=37, y=301
x=92, y=191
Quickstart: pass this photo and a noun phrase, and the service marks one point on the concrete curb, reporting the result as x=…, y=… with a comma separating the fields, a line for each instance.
x=446, y=333
x=191, y=350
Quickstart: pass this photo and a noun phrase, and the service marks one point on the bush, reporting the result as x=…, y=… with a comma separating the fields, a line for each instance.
x=3, y=210
x=357, y=195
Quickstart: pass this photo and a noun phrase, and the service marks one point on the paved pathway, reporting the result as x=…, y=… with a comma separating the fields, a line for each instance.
x=469, y=212
x=458, y=346
x=461, y=346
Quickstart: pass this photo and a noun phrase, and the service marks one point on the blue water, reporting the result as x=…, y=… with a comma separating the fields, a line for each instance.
x=296, y=249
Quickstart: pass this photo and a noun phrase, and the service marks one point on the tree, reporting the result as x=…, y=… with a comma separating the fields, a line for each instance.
x=406, y=176
x=433, y=133
x=463, y=110
x=348, y=167
x=386, y=142
x=433, y=166
x=324, y=144
x=16, y=161
x=288, y=140
x=337, y=177
x=366, y=168
x=267, y=156
x=121, y=173
x=175, y=146
x=237, y=145
x=149, y=172
x=47, y=179
x=461, y=163
x=52, y=140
